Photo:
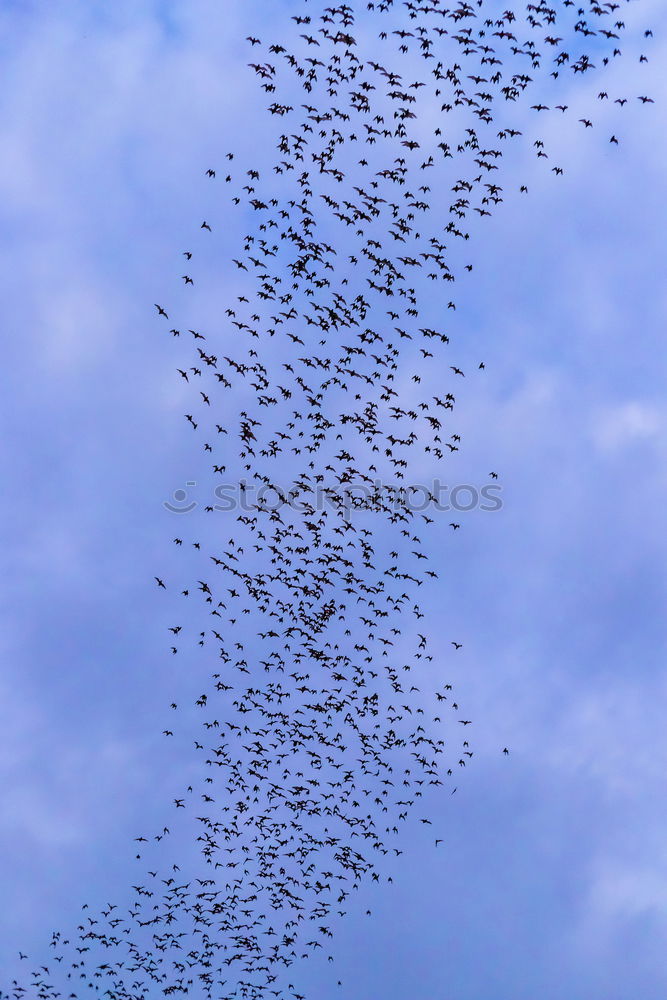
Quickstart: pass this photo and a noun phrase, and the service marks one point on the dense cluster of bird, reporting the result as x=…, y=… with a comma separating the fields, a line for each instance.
x=331, y=389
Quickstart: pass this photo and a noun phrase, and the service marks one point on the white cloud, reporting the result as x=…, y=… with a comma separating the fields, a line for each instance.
x=624, y=424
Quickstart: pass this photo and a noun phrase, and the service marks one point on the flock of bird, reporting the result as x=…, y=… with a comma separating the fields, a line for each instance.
x=332, y=387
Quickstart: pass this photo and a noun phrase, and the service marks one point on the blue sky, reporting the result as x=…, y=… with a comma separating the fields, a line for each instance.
x=552, y=880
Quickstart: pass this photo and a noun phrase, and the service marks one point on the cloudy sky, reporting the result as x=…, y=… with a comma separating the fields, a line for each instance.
x=552, y=878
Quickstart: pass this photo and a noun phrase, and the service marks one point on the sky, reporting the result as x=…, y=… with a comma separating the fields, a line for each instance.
x=552, y=878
